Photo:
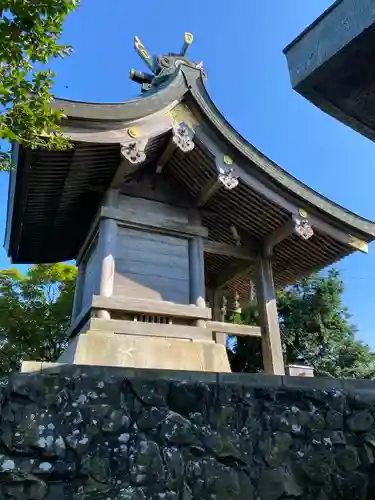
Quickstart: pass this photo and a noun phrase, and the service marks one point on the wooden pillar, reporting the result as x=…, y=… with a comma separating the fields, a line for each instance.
x=196, y=275
x=218, y=314
x=271, y=342
x=196, y=270
x=77, y=304
x=106, y=249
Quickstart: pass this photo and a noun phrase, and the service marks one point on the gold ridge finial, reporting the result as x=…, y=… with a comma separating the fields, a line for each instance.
x=142, y=52
x=161, y=66
x=188, y=40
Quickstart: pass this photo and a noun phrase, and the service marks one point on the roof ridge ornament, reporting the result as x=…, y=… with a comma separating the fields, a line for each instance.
x=162, y=66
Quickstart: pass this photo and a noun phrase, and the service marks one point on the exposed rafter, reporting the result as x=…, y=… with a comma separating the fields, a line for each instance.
x=164, y=158
x=298, y=224
x=207, y=192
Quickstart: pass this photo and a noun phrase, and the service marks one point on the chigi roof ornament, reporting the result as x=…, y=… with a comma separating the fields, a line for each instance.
x=161, y=67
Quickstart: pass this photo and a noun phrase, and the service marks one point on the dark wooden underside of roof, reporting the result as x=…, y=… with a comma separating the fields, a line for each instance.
x=57, y=197
x=53, y=213
x=256, y=217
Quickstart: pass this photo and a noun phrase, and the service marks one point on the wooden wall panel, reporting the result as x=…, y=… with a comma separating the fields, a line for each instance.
x=151, y=212
x=152, y=266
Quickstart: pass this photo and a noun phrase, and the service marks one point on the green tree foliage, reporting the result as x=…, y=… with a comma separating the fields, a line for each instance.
x=29, y=34
x=315, y=329
x=35, y=313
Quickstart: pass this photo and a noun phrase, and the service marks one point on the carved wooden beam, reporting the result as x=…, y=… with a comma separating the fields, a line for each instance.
x=225, y=178
x=134, y=156
x=134, y=151
x=298, y=224
x=207, y=192
x=136, y=135
x=166, y=155
x=182, y=138
x=237, y=252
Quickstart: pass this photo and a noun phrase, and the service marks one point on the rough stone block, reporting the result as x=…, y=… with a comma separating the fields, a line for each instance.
x=82, y=432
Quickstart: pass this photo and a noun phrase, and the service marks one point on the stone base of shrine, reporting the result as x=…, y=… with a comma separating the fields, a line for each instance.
x=120, y=350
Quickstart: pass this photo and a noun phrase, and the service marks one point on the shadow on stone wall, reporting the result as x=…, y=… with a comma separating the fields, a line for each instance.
x=98, y=433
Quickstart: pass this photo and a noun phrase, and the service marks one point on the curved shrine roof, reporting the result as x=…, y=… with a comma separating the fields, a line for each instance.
x=54, y=195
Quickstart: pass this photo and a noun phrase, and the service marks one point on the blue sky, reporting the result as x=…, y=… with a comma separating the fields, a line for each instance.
x=240, y=43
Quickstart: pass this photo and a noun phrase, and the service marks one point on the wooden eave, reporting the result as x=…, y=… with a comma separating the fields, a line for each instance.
x=54, y=196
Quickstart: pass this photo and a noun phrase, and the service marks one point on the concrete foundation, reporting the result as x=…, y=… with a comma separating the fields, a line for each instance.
x=108, y=349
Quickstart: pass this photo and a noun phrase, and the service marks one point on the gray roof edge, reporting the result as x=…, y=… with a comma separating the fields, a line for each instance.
x=312, y=25
x=274, y=172
x=125, y=111
x=318, y=100
x=327, y=37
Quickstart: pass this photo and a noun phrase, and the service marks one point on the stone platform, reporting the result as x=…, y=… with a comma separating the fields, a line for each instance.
x=73, y=432
x=137, y=351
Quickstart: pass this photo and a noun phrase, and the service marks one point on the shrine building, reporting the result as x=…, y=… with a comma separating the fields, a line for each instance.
x=173, y=219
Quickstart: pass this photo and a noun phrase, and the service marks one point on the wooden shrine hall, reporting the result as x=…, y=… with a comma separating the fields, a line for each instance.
x=173, y=219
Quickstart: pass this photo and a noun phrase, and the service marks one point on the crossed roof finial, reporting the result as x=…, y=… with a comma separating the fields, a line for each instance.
x=160, y=66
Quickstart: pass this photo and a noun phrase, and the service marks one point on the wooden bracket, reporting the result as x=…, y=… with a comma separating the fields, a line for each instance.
x=183, y=137
x=296, y=225
x=225, y=171
x=134, y=151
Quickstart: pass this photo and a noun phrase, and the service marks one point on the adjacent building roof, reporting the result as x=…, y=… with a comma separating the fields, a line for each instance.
x=330, y=63
x=54, y=195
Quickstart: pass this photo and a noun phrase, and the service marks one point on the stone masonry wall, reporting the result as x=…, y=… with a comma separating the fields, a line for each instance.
x=97, y=433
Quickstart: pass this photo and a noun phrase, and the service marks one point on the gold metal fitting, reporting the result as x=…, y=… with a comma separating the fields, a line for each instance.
x=133, y=132
x=188, y=38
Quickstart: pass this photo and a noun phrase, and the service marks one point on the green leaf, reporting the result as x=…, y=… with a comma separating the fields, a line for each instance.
x=29, y=36
x=315, y=329
x=34, y=313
